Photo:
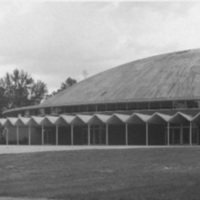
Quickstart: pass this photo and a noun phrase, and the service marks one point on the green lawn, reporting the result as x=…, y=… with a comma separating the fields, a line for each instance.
x=152, y=174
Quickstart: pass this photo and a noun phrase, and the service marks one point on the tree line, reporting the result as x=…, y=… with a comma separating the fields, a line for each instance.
x=18, y=89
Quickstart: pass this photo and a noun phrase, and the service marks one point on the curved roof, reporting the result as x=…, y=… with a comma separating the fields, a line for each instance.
x=163, y=77
x=169, y=76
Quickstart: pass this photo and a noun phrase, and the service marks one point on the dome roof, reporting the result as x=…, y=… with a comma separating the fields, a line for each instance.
x=163, y=77
x=170, y=76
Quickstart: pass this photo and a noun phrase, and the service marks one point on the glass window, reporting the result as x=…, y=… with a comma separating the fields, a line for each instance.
x=166, y=104
x=121, y=106
x=132, y=106
x=92, y=108
x=75, y=109
x=154, y=105
x=68, y=109
x=192, y=104
x=83, y=108
x=111, y=107
x=47, y=111
x=101, y=107
x=143, y=106
x=179, y=104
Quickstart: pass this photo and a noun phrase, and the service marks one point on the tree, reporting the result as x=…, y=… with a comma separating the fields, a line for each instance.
x=19, y=89
x=64, y=85
x=38, y=92
x=68, y=82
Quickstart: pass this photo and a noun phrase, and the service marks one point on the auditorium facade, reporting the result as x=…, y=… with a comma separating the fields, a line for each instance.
x=151, y=101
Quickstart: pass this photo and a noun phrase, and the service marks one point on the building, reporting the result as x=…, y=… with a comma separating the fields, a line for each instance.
x=151, y=101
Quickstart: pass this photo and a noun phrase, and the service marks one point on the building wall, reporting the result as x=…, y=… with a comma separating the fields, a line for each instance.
x=157, y=134
x=116, y=134
x=137, y=134
x=80, y=135
x=23, y=135
x=64, y=136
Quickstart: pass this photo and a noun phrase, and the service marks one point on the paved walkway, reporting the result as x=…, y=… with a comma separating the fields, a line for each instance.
x=12, y=149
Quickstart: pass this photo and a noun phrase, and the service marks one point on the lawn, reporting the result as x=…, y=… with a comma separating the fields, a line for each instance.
x=151, y=174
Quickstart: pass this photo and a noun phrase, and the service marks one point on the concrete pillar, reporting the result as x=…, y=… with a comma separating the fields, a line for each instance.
x=107, y=142
x=7, y=136
x=17, y=135
x=72, y=135
x=147, y=134
x=100, y=134
x=181, y=136
x=126, y=133
x=29, y=135
x=190, y=134
x=88, y=134
x=168, y=134
x=56, y=134
x=42, y=135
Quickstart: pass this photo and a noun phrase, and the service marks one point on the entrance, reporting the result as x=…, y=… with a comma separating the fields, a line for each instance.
x=97, y=135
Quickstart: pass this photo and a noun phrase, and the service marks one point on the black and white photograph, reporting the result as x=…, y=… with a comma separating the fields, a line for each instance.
x=99, y=100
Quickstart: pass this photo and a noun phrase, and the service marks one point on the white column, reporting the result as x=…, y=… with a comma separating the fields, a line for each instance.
x=56, y=134
x=100, y=134
x=168, y=134
x=17, y=135
x=190, y=133
x=88, y=134
x=107, y=142
x=7, y=135
x=147, y=135
x=42, y=135
x=72, y=135
x=93, y=136
x=126, y=133
x=29, y=135
x=181, y=138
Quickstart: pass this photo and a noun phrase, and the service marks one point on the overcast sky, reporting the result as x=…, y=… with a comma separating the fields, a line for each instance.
x=53, y=40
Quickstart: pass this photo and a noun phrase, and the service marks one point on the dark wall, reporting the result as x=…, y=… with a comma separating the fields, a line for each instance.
x=50, y=135
x=116, y=134
x=80, y=135
x=136, y=134
x=157, y=134
x=64, y=136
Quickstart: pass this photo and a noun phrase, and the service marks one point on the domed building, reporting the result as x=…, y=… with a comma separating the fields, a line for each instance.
x=151, y=101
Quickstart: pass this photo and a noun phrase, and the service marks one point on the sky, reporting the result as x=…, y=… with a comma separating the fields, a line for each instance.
x=54, y=40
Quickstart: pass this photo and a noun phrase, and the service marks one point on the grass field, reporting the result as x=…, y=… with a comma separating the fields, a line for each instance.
x=150, y=174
